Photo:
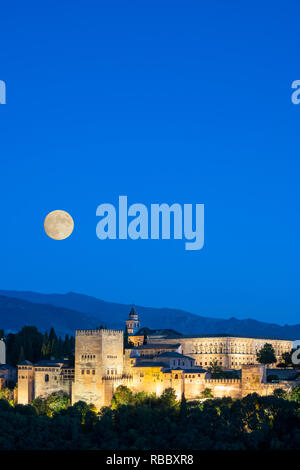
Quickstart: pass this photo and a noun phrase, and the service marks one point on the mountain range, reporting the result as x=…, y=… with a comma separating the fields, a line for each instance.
x=70, y=311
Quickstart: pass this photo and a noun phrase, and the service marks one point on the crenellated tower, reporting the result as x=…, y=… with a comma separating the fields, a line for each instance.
x=98, y=355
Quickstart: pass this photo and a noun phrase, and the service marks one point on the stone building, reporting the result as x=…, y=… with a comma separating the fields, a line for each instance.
x=42, y=379
x=98, y=356
x=160, y=359
x=228, y=351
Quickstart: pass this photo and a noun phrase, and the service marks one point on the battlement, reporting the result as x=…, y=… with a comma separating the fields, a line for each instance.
x=102, y=332
x=223, y=381
x=117, y=377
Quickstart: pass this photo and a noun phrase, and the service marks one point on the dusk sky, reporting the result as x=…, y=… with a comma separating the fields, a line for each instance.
x=165, y=102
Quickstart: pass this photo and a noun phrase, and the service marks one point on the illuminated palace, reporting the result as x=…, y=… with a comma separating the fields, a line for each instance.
x=156, y=360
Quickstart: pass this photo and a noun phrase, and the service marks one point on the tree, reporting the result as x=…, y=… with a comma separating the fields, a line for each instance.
x=44, y=348
x=285, y=360
x=7, y=394
x=81, y=409
x=56, y=402
x=53, y=344
x=127, y=343
x=206, y=393
x=122, y=396
x=21, y=355
x=140, y=397
x=40, y=406
x=168, y=397
x=183, y=408
x=266, y=355
x=214, y=368
x=279, y=393
x=294, y=394
x=31, y=340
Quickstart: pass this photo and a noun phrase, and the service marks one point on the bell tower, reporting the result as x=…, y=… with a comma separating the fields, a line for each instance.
x=133, y=322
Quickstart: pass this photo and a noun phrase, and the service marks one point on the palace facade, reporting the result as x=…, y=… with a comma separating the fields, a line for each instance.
x=156, y=360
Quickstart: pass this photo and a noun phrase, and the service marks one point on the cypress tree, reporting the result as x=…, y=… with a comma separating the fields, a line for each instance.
x=21, y=355
x=183, y=408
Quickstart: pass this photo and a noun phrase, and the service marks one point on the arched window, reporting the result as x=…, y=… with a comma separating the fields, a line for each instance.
x=46, y=378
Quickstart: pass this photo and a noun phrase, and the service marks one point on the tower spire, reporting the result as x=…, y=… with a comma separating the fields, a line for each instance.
x=133, y=322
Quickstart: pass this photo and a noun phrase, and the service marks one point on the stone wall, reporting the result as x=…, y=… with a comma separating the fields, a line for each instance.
x=98, y=353
x=49, y=381
x=224, y=387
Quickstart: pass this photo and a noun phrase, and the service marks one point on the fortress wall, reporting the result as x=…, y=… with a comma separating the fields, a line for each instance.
x=110, y=384
x=224, y=387
x=193, y=386
x=54, y=384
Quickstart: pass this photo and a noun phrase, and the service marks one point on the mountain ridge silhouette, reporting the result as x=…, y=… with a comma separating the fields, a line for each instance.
x=70, y=311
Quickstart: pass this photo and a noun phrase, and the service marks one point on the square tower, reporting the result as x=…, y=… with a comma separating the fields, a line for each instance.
x=25, y=383
x=98, y=354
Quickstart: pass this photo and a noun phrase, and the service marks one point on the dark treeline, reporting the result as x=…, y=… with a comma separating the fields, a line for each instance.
x=31, y=344
x=147, y=422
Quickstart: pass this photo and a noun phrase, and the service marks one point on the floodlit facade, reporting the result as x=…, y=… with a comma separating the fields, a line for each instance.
x=158, y=360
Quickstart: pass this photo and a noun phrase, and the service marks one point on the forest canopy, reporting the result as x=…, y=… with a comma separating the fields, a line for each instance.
x=253, y=422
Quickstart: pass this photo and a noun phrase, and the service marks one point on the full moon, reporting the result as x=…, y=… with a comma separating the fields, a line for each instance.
x=58, y=225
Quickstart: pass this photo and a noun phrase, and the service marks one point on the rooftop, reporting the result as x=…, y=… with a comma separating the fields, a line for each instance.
x=172, y=334
x=158, y=346
x=48, y=363
x=149, y=364
x=174, y=354
x=226, y=335
x=133, y=313
x=148, y=331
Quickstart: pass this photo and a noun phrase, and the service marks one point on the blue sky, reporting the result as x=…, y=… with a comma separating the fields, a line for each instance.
x=163, y=102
